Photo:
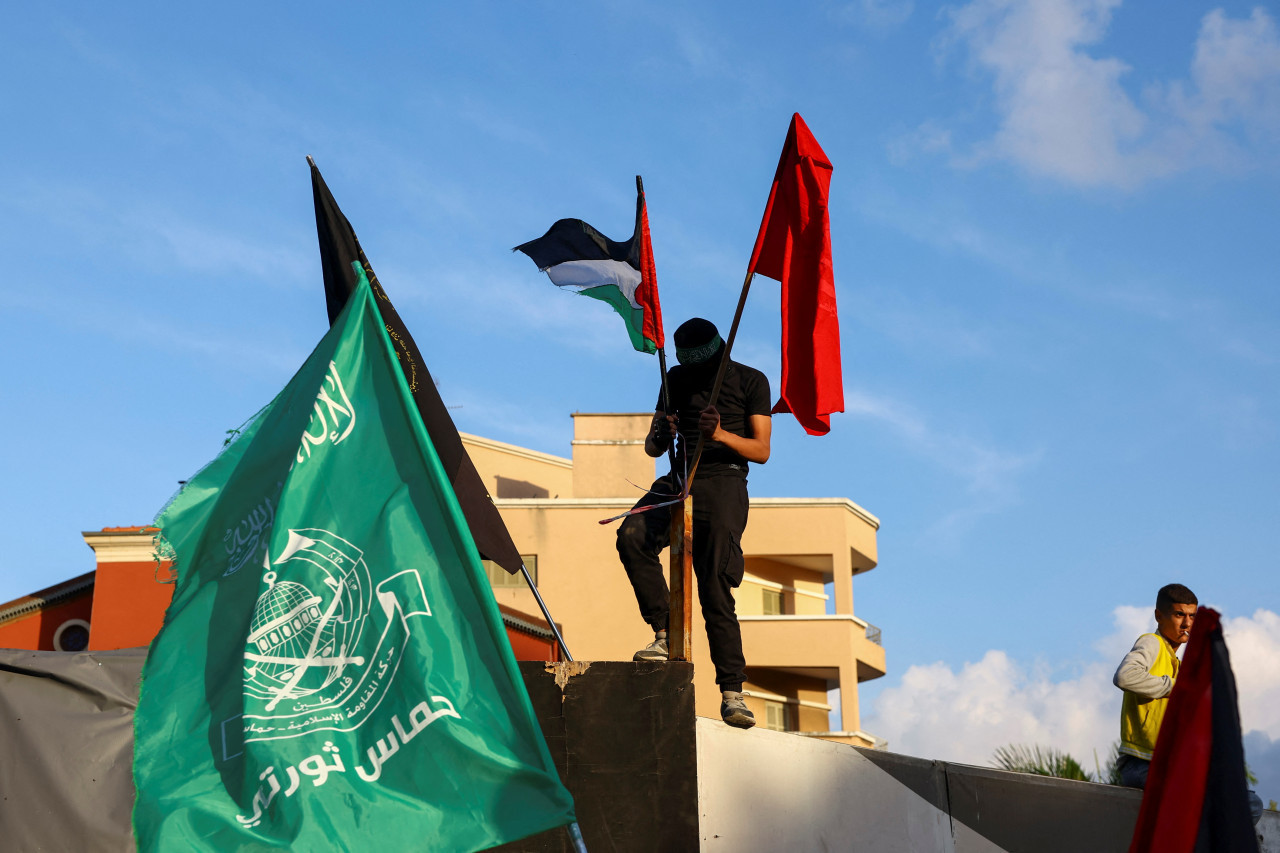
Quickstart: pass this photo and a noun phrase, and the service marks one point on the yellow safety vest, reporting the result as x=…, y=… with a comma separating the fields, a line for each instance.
x=1140, y=718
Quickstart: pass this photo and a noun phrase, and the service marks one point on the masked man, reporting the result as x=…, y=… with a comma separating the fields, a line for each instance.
x=735, y=433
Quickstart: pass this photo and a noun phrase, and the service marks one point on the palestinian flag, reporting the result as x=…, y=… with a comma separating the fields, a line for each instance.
x=578, y=257
x=1197, y=798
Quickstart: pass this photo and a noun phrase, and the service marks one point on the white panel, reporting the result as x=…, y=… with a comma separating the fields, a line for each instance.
x=770, y=791
x=1269, y=832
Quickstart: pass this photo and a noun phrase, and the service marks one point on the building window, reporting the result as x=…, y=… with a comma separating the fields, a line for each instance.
x=71, y=636
x=499, y=579
x=777, y=716
x=772, y=603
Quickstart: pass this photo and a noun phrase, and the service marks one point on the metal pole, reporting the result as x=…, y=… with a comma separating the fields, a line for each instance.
x=724, y=364
x=545, y=612
x=575, y=835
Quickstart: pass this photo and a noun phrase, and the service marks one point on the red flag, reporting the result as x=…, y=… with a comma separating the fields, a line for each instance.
x=794, y=246
x=647, y=290
x=1196, y=796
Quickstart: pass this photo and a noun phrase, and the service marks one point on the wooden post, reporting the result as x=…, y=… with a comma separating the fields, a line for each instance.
x=680, y=626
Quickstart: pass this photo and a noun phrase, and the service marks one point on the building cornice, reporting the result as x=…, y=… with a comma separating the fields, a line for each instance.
x=757, y=693
x=760, y=503
x=122, y=546
x=818, y=502
x=876, y=741
x=815, y=617
x=46, y=597
x=515, y=450
x=565, y=503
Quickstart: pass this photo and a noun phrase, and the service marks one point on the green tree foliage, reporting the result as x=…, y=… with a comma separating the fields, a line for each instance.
x=1040, y=760
x=1109, y=772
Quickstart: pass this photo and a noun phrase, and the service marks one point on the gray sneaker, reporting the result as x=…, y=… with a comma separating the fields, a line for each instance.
x=734, y=711
x=657, y=650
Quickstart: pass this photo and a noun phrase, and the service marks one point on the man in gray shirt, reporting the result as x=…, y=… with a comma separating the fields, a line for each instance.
x=1147, y=675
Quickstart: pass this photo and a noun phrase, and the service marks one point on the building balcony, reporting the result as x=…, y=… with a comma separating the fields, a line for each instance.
x=816, y=645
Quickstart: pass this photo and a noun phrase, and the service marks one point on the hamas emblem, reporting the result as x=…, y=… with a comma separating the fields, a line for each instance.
x=325, y=642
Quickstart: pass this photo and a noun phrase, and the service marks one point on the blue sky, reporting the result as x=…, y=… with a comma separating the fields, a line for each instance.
x=1053, y=228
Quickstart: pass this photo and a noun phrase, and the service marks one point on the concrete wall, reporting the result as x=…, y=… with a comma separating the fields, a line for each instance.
x=608, y=450
x=646, y=774
x=509, y=471
x=552, y=507
x=769, y=791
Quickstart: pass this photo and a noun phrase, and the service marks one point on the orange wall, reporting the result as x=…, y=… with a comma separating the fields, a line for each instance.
x=35, y=630
x=128, y=605
x=532, y=648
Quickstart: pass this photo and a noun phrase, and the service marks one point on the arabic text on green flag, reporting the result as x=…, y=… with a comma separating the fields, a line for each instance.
x=333, y=672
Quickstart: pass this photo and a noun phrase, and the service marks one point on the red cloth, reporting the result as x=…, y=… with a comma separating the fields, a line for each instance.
x=1171, y=804
x=647, y=291
x=1196, y=797
x=794, y=247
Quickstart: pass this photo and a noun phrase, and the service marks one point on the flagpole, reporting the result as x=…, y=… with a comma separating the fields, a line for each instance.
x=680, y=538
x=742, y=301
x=724, y=364
x=528, y=578
x=680, y=533
x=679, y=647
x=662, y=354
x=666, y=408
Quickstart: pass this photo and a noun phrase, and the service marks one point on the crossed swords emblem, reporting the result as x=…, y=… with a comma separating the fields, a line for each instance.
x=314, y=656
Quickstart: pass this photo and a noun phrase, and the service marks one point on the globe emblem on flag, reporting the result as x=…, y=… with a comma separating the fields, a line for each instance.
x=302, y=635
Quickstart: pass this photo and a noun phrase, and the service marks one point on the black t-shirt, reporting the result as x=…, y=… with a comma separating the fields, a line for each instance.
x=744, y=392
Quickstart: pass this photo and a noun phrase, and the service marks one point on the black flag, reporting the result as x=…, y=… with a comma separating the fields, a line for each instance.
x=339, y=247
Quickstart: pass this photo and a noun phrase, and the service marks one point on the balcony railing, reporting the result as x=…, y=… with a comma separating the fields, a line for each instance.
x=873, y=634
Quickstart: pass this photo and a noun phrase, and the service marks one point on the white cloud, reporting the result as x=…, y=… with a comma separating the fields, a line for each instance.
x=1205, y=322
x=155, y=330
x=965, y=716
x=1130, y=622
x=1235, y=76
x=201, y=248
x=878, y=15
x=999, y=700
x=147, y=231
x=510, y=302
x=928, y=138
x=1254, y=643
x=927, y=328
x=990, y=474
x=1065, y=114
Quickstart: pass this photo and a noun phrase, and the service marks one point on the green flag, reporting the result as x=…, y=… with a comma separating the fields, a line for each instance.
x=333, y=672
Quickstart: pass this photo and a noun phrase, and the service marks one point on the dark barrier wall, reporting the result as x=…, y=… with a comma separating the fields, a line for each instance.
x=621, y=734
x=625, y=740
x=66, y=750
x=1017, y=812
x=623, y=737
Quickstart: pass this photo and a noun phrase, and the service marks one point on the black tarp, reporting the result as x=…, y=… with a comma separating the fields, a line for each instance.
x=66, y=749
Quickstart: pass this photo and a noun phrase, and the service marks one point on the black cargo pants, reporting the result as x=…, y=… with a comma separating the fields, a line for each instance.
x=719, y=517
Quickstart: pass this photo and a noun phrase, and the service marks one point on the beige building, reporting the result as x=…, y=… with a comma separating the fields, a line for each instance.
x=798, y=643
